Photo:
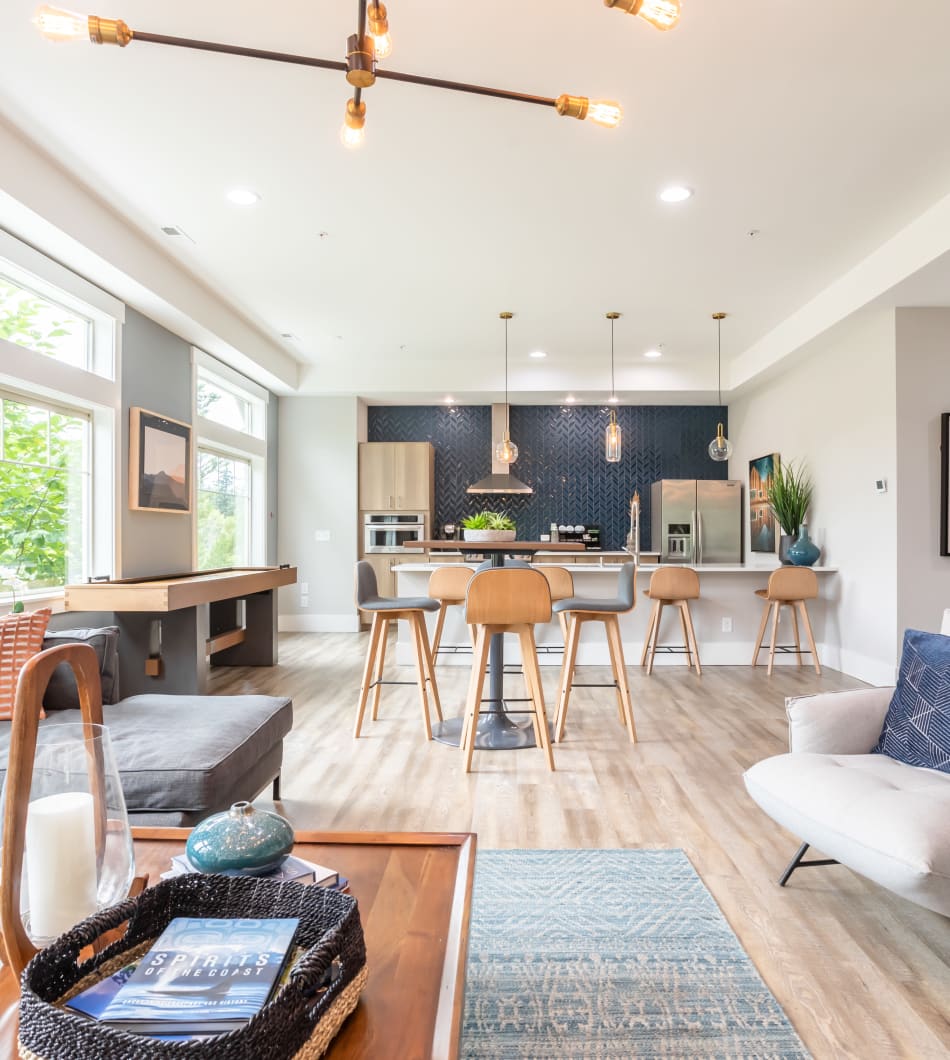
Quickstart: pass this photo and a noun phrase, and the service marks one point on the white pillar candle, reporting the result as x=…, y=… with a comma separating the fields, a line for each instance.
x=60, y=862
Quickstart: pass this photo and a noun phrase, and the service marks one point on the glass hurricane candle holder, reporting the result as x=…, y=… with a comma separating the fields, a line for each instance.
x=78, y=855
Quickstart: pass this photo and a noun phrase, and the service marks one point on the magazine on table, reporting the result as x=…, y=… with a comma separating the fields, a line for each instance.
x=292, y=869
x=203, y=975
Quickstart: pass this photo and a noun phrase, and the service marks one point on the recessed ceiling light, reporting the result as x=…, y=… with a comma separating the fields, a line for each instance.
x=243, y=197
x=676, y=193
x=538, y=355
x=654, y=353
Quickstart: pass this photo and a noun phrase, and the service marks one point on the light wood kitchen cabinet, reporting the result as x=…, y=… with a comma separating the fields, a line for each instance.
x=396, y=476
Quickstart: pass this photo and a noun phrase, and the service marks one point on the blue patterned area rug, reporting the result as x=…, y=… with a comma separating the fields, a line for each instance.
x=610, y=954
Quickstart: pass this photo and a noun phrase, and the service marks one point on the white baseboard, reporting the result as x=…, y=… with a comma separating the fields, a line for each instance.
x=348, y=623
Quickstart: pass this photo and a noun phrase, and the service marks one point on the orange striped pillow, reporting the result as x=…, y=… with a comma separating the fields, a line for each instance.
x=21, y=637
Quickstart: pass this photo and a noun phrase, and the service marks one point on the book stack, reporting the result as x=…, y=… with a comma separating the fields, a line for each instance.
x=203, y=976
x=292, y=870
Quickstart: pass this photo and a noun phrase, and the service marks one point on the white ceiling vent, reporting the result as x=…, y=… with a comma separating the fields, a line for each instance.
x=174, y=230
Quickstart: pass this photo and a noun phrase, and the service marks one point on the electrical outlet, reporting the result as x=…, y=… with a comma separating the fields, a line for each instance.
x=304, y=601
x=303, y=588
x=727, y=625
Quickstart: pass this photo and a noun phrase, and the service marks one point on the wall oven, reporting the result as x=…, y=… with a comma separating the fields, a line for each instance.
x=392, y=531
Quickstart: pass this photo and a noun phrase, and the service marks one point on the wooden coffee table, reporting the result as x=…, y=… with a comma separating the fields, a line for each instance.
x=414, y=891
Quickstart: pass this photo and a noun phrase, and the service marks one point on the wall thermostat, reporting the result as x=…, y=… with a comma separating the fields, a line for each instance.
x=880, y=484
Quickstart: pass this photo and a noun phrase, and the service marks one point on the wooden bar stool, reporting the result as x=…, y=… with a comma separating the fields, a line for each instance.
x=561, y=584
x=385, y=610
x=580, y=610
x=448, y=585
x=506, y=600
x=672, y=587
x=788, y=587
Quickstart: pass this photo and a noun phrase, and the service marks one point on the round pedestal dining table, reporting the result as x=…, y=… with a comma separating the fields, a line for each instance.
x=498, y=729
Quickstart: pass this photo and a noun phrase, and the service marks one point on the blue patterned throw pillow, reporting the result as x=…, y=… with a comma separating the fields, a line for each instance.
x=917, y=727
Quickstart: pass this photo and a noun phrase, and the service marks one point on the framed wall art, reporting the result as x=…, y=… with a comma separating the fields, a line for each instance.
x=159, y=463
x=762, y=536
x=945, y=484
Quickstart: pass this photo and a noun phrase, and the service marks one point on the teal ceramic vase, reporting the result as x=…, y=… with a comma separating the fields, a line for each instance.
x=804, y=552
x=240, y=840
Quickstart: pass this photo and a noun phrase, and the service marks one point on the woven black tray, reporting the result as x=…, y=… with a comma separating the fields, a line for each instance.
x=300, y=1020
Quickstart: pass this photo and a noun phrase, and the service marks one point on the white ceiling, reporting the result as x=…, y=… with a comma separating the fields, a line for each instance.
x=824, y=128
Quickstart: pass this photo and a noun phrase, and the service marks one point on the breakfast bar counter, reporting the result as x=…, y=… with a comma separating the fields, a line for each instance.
x=726, y=615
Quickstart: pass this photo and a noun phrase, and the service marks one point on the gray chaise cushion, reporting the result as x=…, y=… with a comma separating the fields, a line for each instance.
x=184, y=754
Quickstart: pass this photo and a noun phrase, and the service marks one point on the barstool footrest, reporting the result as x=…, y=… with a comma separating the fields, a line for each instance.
x=673, y=649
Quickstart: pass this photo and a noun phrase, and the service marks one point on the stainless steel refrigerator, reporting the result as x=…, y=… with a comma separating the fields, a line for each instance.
x=696, y=520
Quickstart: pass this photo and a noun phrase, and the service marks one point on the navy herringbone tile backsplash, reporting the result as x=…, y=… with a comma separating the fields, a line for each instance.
x=561, y=456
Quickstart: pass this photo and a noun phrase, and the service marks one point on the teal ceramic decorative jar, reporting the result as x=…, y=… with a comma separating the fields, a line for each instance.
x=804, y=552
x=240, y=840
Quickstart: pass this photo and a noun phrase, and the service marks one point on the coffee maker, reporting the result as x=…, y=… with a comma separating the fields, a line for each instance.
x=450, y=531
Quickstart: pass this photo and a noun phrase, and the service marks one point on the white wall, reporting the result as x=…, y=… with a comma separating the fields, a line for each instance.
x=923, y=393
x=832, y=406
x=318, y=481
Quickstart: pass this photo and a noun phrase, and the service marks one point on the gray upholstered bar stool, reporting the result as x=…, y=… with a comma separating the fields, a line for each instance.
x=386, y=609
x=580, y=610
x=447, y=585
x=672, y=587
x=561, y=584
x=788, y=587
x=506, y=600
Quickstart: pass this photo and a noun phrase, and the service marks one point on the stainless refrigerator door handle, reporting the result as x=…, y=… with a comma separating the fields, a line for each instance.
x=699, y=536
x=692, y=537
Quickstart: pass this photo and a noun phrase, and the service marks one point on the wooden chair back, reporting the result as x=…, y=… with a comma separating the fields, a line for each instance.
x=24, y=726
x=450, y=583
x=674, y=583
x=508, y=596
x=560, y=582
x=792, y=583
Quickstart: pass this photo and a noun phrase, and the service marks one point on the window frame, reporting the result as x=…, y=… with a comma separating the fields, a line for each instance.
x=220, y=440
x=95, y=391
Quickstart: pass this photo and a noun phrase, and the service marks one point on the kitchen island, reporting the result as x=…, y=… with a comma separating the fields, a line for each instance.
x=728, y=600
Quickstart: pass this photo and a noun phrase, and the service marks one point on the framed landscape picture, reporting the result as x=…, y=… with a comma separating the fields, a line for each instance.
x=945, y=484
x=762, y=536
x=159, y=463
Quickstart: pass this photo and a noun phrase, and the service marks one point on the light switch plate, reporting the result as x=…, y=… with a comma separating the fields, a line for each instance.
x=321, y=535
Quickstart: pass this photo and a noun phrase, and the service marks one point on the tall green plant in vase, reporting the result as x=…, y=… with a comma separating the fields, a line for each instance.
x=789, y=497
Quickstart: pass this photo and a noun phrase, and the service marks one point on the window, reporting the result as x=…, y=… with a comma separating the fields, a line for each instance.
x=224, y=510
x=230, y=413
x=60, y=403
x=44, y=482
x=39, y=324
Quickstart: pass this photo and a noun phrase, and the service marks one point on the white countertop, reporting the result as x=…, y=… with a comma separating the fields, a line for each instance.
x=644, y=568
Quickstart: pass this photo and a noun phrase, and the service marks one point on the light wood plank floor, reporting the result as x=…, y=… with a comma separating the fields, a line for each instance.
x=860, y=972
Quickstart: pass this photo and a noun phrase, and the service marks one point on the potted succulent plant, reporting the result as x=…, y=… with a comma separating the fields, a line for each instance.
x=489, y=526
x=789, y=497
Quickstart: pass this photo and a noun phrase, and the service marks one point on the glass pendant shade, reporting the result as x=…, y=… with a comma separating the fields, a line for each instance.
x=506, y=452
x=720, y=448
x=613, y=437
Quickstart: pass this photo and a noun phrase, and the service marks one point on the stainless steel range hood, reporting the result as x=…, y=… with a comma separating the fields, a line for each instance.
x=500, y=480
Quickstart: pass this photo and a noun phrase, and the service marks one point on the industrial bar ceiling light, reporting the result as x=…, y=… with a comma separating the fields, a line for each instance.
x=364, y=49
x=612, y=436
x=506, y=452
x=720, y=448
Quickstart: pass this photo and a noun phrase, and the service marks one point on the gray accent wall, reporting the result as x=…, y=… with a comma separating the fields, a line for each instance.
x=156, y=375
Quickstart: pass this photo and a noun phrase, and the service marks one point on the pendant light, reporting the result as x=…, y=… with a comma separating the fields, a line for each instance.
x=506, y=452
x=612, y=436
x=720, y=448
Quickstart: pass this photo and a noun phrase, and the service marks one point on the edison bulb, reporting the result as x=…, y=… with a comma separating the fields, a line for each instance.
x=55, y=23
x=506, y=452
x=384, y=45
x=605, y=112
x=663, y=14
x=350, y=137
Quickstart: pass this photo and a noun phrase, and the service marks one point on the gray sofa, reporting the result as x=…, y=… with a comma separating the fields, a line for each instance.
x=182, y=757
